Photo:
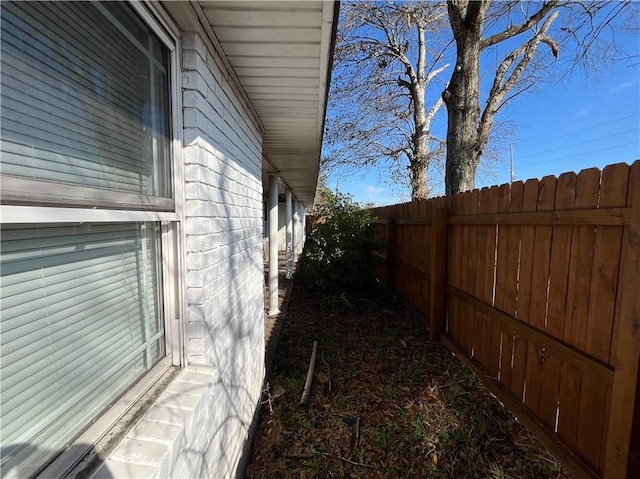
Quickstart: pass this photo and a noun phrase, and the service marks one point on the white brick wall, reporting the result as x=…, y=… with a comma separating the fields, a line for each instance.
x=200, y=426
x=225, y=279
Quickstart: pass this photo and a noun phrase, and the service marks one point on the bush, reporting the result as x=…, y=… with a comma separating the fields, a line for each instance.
x=338, y=256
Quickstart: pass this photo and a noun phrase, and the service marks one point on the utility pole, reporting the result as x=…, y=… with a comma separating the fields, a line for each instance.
x=511, y=176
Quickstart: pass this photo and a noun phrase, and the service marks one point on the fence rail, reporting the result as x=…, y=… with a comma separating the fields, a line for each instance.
x=536, y=286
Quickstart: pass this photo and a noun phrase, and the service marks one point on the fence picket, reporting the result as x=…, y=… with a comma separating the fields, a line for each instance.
x=502, y=250
x=453, y=275
x=581, y=261
x=494, y=330
x=541, y=255
x=438, y=251
x=529, y=204
x=533, y=375
x=527, y=237
x=503, y=287
x=606, y=261
x=591, y=421
x=569, y=397
x=510, y=289
x=539, y=282
x=466, y=324
x=560, y=254
x=472, y=272
x=513, y=254
x=482, y=321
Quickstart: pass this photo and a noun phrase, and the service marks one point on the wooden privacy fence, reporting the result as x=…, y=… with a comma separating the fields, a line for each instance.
x=536, y=286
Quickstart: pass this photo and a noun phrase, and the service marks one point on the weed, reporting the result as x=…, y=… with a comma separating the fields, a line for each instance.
x=381, y=349
x=342, y=402
x=420, y=430
x=336, y=301
x=392, y=393
x=456, y=397
x=412, y=372
x=497, y=472
x=468, y=379
x=314, y=465
x=384, y=436
x=294, y=384
x=299, y=419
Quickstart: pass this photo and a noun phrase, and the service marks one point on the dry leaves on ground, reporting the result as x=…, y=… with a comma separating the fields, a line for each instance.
x=385, y=403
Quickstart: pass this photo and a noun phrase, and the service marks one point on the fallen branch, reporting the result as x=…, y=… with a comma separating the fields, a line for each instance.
x=356, y=440
x=299, y=456
x=312, y=366
x=342, y=458
x=352, y=462
x=328, y=369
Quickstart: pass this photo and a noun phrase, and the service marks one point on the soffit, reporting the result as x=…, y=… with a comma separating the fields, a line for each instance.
x=280, y=52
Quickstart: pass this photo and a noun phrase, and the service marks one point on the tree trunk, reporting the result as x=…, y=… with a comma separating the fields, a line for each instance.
x=419, y=188
x=461, y=99
x=420, y=160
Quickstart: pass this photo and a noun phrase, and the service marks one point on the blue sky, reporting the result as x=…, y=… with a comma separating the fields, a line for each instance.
x=569, y=126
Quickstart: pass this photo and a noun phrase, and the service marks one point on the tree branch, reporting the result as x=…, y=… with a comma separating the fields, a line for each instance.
x=435, y=73
x=432, y=112
x=522, y=27
x=499, y=88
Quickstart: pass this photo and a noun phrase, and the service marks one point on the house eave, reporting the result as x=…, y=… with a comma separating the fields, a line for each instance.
x=278, y=55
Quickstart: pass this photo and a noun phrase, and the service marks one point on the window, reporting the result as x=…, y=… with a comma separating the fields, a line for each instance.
x=81, y=321
x=84, y=106
x=88, y=238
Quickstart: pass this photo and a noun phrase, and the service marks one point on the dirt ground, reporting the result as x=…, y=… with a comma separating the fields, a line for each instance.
x=385, y=403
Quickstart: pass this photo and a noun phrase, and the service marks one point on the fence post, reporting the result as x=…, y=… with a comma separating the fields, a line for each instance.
x=622, y=458
x=391, y=251
x=438, y=257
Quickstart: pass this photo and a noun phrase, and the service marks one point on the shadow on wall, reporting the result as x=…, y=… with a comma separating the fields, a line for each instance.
x=236, y=337
x=246, y=339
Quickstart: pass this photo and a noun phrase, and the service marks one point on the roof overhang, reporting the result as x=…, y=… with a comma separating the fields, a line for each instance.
x=279, y=54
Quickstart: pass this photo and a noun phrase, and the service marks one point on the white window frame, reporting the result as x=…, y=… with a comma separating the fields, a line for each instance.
x=19, y=190
x=172, y=239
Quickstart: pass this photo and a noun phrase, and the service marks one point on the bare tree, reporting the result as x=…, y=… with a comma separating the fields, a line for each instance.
x=386, y=89
x=515, y=29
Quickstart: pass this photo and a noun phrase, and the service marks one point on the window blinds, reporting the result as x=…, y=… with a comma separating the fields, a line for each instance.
x=81, y=321
x=84, y=97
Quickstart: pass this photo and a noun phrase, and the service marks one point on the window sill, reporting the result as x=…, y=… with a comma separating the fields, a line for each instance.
x=102, y=436
x=154, y=447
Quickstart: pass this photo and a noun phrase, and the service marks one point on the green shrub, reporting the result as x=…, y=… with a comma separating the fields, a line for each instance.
x=338, y=255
